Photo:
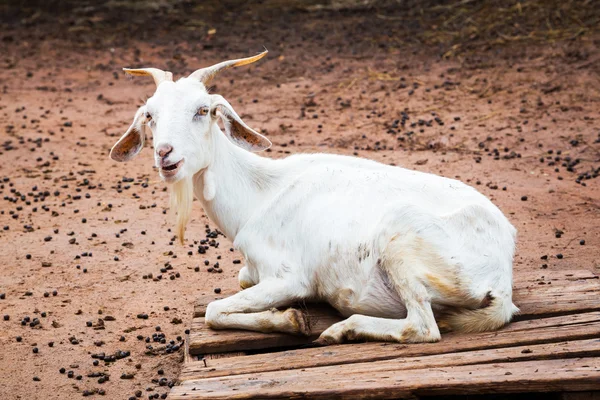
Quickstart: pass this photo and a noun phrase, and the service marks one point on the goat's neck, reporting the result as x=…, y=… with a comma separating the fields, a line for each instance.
x=242, y=182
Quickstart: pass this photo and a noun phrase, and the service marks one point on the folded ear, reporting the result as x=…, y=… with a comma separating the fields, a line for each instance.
x=235, y=129
x=132, y=142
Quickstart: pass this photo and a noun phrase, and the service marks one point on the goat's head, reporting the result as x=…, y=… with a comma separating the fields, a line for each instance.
x=181, y=116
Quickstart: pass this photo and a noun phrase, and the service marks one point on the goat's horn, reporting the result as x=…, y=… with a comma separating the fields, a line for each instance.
x=158, y=74
x=205, y=75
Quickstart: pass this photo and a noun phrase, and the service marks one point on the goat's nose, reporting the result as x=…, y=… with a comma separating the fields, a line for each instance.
x=164, y=149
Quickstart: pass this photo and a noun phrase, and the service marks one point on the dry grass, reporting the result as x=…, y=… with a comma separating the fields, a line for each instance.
x=466, y=25
x=452, y=27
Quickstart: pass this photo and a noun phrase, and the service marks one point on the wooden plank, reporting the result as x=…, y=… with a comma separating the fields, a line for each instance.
x=204, y=340
x=187, y=357
x=566, y=287
x=578, y=292
x=559, y=307
x=525, y=283
x=538, y=331
x=523, y=297
x=203, y=300
x=524, y=275
x=528, y=274
x=572, y=349
x=216, y=356
x=526, y=376
x=568, y=294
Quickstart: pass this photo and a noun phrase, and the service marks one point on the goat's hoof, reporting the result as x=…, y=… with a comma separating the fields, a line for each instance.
x=324, y=341
x=299, y=320
x=327, y=340
x=338, y=333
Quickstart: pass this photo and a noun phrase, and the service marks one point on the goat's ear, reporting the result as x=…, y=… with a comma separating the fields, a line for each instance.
x=235, y=129
x=132, y=142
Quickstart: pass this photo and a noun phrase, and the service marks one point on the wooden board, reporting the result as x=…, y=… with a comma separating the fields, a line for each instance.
x=562, y=349
x=538, y=331
x=561, y=293
x=526, y=284
x=204, y=340
x=352, y=381
x=554, y=345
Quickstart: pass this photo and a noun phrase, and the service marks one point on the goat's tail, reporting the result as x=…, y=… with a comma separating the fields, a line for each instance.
x=497, y=313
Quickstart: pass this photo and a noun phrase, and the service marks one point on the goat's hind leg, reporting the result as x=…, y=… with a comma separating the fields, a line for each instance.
x=403, y=266
x=419, y=326
x=255, y=309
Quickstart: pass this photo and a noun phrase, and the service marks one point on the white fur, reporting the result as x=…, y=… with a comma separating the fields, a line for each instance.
x=393, y=248
x=210, y=187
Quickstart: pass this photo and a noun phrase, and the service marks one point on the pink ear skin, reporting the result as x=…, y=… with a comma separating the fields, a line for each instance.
x=235, y=128
x=132, y=142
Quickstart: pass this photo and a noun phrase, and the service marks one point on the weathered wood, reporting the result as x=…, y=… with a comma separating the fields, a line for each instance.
x=204, y=299
x=204, y=340
x=526, y=283
x=217, y=356
x=570, y=287
x=523, y=276
x=368, y=370
x=556, y=307
x=540, y=302
x=187, y=357
x=342, y=382
x=571, y=349
x=531, y=332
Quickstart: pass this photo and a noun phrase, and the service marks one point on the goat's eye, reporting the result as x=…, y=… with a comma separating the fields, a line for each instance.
x=148, y=116
x=202, y=111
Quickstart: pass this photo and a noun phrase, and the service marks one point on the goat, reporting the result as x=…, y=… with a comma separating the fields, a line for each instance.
x=399, y=253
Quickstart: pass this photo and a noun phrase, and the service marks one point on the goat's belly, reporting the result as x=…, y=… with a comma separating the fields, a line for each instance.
x=367, y=293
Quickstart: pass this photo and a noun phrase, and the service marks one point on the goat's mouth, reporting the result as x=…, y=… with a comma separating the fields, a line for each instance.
x=169, y=171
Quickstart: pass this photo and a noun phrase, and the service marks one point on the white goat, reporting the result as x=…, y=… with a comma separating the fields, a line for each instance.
x=390, y=248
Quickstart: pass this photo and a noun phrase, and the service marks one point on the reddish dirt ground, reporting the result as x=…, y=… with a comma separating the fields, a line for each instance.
x=80, y=233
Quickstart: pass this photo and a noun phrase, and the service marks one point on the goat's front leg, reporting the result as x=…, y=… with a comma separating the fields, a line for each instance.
x=255, y=309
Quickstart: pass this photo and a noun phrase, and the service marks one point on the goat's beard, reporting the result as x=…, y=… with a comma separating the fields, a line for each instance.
x=182, y=196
